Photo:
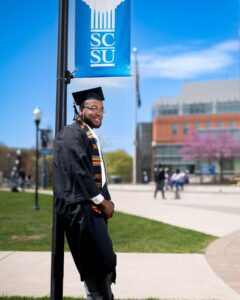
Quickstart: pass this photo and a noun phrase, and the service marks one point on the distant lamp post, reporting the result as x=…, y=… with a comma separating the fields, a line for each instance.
x=18, y=152
x=37, y=114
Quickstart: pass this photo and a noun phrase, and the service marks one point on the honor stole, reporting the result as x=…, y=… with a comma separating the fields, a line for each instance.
x=96, y=159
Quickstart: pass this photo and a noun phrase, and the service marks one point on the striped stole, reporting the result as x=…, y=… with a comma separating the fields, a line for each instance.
x=96, y=159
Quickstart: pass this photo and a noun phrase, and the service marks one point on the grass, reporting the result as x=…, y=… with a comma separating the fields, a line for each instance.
x=25, y=229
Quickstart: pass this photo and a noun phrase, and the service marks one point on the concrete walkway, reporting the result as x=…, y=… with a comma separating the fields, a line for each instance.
x=166, y=276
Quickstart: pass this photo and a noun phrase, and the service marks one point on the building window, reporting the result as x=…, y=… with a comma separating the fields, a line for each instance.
x=197, y=108
x=220, y=125
x=228, y=107
x=185, y=129
x=232, y=125
x=168, y=151
x=168, y=110
x=208, y=125
x=197, y=126
x=174, y=129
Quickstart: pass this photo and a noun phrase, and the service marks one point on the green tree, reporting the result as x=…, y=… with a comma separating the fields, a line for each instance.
x=119, y=163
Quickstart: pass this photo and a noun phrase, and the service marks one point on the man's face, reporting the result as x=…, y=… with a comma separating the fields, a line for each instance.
x=92, y=112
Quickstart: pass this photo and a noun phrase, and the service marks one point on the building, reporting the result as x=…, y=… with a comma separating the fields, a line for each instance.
x=202, y=106
x=144, y=152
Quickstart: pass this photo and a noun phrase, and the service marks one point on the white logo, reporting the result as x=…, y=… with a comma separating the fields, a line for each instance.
x=102, y=32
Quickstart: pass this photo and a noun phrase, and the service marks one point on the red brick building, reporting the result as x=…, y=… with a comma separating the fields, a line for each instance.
x=202, y=106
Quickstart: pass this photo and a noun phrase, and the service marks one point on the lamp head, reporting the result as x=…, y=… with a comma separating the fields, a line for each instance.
x=37, y=115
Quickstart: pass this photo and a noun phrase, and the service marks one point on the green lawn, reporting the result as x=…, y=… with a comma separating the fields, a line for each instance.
x=25, y=229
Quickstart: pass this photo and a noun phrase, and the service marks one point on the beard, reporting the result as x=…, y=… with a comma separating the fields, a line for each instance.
x=90, y=123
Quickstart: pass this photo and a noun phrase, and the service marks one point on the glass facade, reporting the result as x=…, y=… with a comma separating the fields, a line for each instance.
x=197, y=108
x=228, y=107
x=169, y=156
x=168, y=150
x=168, y=110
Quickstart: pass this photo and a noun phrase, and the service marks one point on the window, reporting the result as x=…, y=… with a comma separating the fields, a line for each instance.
x=228, y=107
x=208, y=125
x=197, y=108
x=168, y=110
x=232, y=125
x=185, y=129
x=168, y=151
x=174, y=129
x=197, y=126
x=220, y=125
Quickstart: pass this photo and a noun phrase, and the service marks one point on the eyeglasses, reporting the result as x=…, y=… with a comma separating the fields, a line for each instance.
x=95, y=109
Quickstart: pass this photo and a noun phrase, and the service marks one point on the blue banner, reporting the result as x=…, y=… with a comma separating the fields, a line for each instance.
x=102, y=38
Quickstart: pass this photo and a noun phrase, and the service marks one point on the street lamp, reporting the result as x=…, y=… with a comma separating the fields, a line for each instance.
x=37, y=114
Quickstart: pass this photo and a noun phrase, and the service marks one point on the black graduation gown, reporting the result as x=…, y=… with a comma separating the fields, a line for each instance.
x=86, y=230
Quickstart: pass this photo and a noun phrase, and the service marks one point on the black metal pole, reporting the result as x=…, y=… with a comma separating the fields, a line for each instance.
x=57, y=264
x=36, y=167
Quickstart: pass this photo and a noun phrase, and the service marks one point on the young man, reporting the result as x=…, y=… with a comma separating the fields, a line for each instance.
x=160, y=181
x=82, y=197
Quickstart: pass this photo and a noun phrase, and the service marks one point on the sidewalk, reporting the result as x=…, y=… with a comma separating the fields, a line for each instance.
x=165, y=276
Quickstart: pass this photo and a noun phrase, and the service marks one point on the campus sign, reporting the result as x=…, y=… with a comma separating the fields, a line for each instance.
x=102, y=38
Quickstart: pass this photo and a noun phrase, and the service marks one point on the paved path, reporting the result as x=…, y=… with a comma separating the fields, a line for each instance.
x=165, y=276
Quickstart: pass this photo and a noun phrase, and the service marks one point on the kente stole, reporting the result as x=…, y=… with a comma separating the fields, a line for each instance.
x=96, y=159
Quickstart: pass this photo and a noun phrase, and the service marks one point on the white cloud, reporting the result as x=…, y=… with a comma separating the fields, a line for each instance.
x=182, y=62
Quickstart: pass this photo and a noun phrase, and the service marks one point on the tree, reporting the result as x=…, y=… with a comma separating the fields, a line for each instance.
x=216, y=147
x=119, y=163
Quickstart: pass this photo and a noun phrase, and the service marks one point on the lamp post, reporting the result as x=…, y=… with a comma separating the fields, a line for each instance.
x=37, y=114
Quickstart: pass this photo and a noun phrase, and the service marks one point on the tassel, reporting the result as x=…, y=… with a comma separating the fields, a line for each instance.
x=76, y=113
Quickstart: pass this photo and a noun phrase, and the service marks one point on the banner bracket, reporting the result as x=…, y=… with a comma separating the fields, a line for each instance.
x=69, y=75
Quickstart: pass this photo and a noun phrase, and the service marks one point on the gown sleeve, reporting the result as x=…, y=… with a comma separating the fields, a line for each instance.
x=72, y=170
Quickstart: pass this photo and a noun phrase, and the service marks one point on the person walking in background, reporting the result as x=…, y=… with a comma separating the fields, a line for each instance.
x=29, y=181
x=160, y=181
x=176, y=180
x=82, y=198
x=167, y=179
x=22, y=179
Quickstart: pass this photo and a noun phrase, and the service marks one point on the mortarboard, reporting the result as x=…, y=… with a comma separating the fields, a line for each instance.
x=95, y=93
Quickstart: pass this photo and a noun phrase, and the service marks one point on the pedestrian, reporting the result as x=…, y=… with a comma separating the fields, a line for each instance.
x=82, y=198
x=22, y=179
x=145, y=177
x=160, y=181
x=176, y=180
x=29, y=181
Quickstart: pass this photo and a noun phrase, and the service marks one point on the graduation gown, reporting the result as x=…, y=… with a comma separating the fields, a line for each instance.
x=74, y=186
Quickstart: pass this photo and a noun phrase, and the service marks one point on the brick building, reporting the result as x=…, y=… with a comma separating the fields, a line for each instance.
x=210, y=106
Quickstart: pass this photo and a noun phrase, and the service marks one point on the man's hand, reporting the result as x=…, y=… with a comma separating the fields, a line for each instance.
x=107, y=207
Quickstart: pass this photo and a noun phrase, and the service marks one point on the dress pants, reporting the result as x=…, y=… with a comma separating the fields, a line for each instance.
x=99, y=289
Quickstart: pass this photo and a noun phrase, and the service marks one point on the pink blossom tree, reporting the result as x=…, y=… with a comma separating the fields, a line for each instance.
x=216, y=147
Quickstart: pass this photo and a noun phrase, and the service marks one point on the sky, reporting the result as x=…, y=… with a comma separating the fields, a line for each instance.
x=178, y=41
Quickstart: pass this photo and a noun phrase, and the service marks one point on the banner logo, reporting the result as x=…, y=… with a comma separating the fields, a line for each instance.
x=108, y=32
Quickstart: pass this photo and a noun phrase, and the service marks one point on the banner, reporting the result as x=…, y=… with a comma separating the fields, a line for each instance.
x=46, y=145
x=102, y=38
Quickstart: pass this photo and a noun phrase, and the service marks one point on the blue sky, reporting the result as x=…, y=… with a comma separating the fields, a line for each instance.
x=178, y=41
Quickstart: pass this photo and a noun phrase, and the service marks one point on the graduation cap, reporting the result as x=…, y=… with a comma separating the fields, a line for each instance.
x=95, y=93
